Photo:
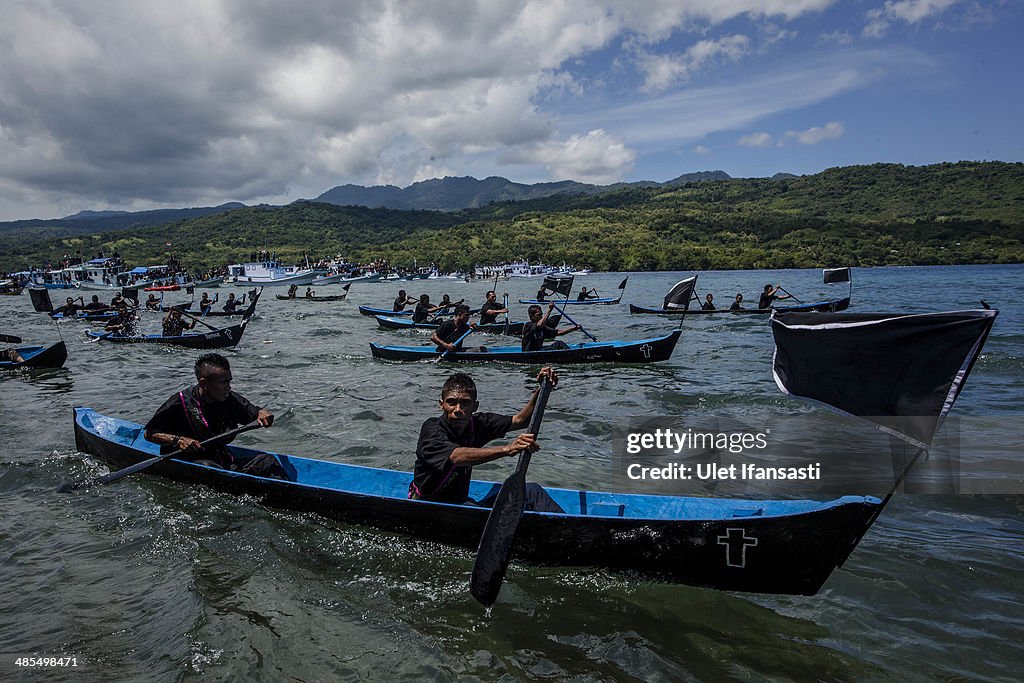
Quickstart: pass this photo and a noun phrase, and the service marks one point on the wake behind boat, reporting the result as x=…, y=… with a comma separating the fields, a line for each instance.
x=651, y=350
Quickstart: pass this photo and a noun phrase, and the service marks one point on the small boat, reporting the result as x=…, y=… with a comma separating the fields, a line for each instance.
x=269, y=273
x=11, y=287
x=513, y=329
x=222, y=338
x=832, y=306
x=371, y=311
x=52, y=356
x=640, y=351
x=702, y=541
x=337, y=297
x=212, y=282
x=162, y=288
x=86, y=315
x=562, y=284
x=573, y=302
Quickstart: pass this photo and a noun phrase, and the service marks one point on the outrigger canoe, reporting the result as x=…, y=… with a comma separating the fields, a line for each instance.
x=514, y=329
x=573, y=302
x=765, y=546
x=39, y=357
x=833, y=306
x=640, y=351
x=214, y=339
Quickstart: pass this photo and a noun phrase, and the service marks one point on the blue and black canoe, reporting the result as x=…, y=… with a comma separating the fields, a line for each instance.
x=371, y=311
x=513, y=329
x=764, y=546
x=639, y=351
x=574, y=302
x=222, y=338
x=52, y=356
x=831, y=306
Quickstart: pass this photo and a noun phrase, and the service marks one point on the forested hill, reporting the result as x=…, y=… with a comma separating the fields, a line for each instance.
x=967, y=212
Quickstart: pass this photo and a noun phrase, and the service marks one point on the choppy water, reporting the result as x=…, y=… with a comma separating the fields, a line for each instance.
x=147, y=579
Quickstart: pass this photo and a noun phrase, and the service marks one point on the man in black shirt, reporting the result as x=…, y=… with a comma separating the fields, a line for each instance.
x=96, y=304
x=231, y=303
x=401, y=301
x=709, y=303
x=770, y=296
x=586, y=294
x=424, y=309
x=537, y=330
x=70, y=309
x=737, y=305
x=205, y=410
x=450, y=331
x=173, y=324
x=449, y=446
x=490, y=311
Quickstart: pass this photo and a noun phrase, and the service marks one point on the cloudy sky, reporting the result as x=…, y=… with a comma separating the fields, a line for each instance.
x=136, y=105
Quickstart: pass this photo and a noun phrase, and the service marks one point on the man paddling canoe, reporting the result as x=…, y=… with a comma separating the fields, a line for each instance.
x=205, y=410
x=174, y=325
x=450, y=445
x=537, y=330
x=491, y=309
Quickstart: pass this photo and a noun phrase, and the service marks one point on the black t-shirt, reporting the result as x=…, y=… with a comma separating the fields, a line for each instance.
x=486, y=317
x=434, y=476
x=171, y=418
x=708, y=306
x=421, y=313
x=766, y=300
x=449, y=332
x=399, y=304
x=534, y=336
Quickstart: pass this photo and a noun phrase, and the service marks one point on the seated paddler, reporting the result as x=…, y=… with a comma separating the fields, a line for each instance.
x=203, y=411
x=450, y=445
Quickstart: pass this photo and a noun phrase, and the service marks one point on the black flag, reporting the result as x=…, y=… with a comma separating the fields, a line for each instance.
x=558, y=284
x=901, y=372
x=681, y=294
x=831, y=276
x=622, y=285
x=40, y=299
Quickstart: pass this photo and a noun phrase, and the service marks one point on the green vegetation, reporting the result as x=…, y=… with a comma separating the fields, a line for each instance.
x=883, y=214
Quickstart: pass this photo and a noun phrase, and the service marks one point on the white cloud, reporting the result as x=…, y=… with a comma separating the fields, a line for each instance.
x=909, y=11
x=663, y=71
x=596, y=157
x=835, y=37
x=816, y=134
x=757, y=140
x=701, y=149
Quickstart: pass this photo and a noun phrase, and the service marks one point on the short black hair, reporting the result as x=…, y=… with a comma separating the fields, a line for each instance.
x=461, y=308
x=460, y=381
x=209, y=361
x=533, y=309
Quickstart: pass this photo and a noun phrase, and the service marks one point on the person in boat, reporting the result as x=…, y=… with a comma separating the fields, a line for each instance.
x=70, y=309
x=205, y=410
x=152, y=302
x=450, y=445
x=446, y=301
x=401, y=301
x=174, y=324
x=96, y=305
x=123, y=323
x=11, y=354
x=310, y=293
x=709, y=303
x=537, y=330
x=118, y=300
x=424, y=310
x=542, y=294
x=586, y=294
x=293, y=290
x=205, y=304
x=737, y=304
x=450, y=331
x=770, y=295
x=491, y=309
x=232, y=303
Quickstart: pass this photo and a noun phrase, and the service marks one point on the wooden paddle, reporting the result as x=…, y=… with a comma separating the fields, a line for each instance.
x=203, y=322
x=10, y=339
x=567, y=317
x=454, y=346
x=495, y=549
x=131, y=469
x=504, y=304
x=789, y=295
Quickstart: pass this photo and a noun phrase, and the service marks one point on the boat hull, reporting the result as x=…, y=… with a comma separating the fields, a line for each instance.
x=512, y=329
x=832, y=306
x=573, y=302
x=337, y=297
x=52, y=356
x=741, y=545
x=640, y=351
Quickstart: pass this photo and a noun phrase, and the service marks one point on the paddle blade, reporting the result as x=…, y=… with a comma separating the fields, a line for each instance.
x=9, y=339
x=495, y=550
